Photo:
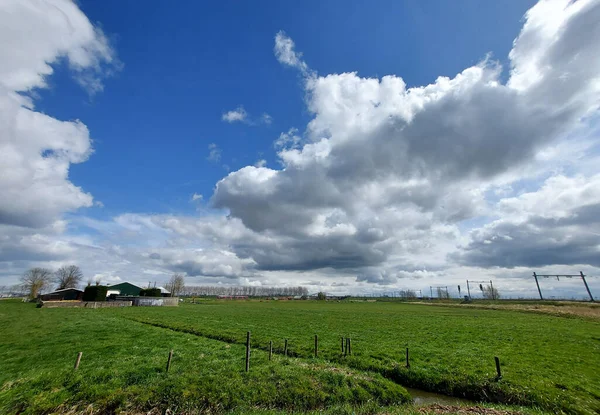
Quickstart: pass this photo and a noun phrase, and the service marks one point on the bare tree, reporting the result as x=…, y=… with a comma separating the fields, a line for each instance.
x=176, y=284
x=36, y=280
x=68, y=277
x=443, y=293
x=490, y=293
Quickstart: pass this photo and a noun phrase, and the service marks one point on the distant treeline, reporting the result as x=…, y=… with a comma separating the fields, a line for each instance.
x=250, y=291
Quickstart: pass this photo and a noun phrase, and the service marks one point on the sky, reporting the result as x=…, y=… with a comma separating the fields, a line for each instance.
x=345, y=146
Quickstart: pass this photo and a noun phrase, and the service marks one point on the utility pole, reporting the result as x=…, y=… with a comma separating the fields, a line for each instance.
x=586, y=286
x=538, y=285
x=492, y=289
x=468, y=289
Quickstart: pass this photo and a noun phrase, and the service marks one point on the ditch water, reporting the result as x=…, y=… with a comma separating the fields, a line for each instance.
x=421, y=397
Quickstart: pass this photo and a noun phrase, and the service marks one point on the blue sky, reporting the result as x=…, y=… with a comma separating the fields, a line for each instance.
x=345, y=146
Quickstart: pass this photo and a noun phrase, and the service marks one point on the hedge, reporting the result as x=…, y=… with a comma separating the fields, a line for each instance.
x=150, y=292
x=95, y=293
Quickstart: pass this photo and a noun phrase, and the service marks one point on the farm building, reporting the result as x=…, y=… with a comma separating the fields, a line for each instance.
x=62, y=295
x=164, y=292
x=124, y=289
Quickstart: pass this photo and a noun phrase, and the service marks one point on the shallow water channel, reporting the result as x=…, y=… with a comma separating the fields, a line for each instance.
x=421, y=397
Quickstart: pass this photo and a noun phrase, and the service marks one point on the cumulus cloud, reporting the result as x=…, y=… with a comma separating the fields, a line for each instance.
x=383, y=166
x=557, y=224
x=37, y=150
x=36, y=33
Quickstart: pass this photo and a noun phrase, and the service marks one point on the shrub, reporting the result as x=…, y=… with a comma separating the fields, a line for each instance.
x=95, y=293
x=150, y=292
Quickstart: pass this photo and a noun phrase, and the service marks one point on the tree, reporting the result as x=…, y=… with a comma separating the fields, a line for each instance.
x=36, y=280
x=176, y=284
x=490, y=293
x=321, y=296
x=68, y=277
x=442, y=293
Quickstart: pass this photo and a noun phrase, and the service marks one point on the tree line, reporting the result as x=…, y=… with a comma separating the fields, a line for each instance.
x=244, y=290
x=37, y=280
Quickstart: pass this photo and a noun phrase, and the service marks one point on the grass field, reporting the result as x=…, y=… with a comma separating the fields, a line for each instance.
x=548, y=362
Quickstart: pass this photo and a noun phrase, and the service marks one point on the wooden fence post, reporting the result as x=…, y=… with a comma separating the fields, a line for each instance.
x=316, y=345
x=349, y=346
x=285, y=347
x=248, y=352
x=270, y=349
x=498, y=368
x=169, y=360
x=78, y=360
x=342, y=344
x=407, y=362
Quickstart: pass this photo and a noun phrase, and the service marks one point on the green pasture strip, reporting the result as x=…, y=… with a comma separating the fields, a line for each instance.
x=546, y=361
x=123, y=369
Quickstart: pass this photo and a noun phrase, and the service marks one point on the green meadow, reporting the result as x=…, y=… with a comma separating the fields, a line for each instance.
x=549, y=363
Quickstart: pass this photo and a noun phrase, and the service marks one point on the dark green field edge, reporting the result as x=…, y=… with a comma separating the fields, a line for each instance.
x=470, y=387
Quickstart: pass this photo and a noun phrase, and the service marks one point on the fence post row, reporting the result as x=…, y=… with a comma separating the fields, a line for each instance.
x=285, y=347
x=270, y=349
x=316, y=345
x=407, y=362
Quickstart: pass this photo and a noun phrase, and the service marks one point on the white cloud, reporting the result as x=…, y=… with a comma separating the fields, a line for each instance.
x=36, y=33
x=37, y=150
x=196, y=197
x=266, y=119
x=559, y=224
x=237, y=115
x=241, y=115
x=285, y=53
x=289, y=140
x=214, y=153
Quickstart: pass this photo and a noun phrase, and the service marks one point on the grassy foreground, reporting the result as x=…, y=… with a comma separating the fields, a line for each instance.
x=123, y=369
x=548, y=362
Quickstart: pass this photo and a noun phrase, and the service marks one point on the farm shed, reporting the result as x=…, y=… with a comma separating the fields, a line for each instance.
x=164, y=292
x=124, y=289
x=63, y=295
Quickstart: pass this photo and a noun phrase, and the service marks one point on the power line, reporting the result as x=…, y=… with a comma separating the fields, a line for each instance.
x=557, y=276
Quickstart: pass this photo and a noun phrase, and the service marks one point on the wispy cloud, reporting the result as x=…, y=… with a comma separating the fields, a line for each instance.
x=214, y=154
x=285, y=53
x=266, y=119
x=241, y=115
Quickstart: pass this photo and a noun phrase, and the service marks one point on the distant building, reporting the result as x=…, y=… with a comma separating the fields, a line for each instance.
x=164, y=292
x=124, y=289
x=72, y=294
